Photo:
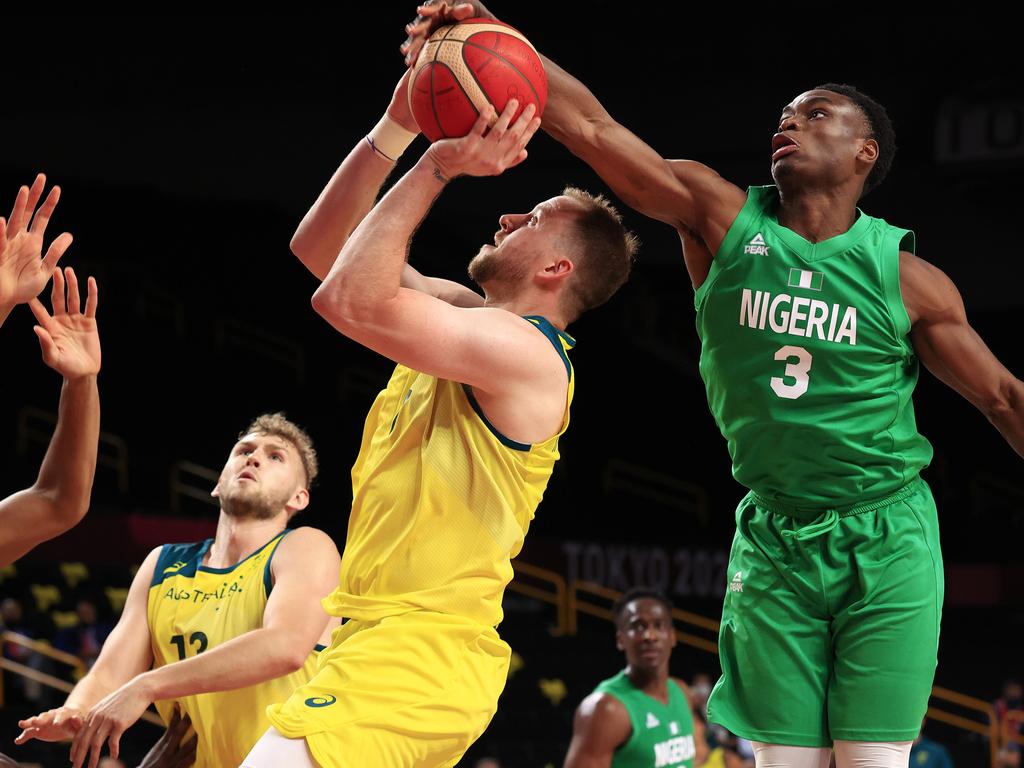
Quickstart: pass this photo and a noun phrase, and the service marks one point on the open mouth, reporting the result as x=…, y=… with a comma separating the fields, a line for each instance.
x=782, y=145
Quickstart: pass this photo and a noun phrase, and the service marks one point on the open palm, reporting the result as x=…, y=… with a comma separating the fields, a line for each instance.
x=70, y=338
x=23, y=269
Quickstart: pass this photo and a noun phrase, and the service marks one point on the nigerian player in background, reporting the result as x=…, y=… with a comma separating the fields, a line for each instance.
x=456, y=451
x=224, y=626
x=813, y=318
x=70, y=344
x=641, y=717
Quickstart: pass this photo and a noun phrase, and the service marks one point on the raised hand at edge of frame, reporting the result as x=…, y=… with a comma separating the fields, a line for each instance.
x=24, y=271
x=69, y=339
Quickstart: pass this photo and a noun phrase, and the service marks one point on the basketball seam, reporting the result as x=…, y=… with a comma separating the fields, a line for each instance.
x=469, y=99
x=498, y=56
x=433, y=94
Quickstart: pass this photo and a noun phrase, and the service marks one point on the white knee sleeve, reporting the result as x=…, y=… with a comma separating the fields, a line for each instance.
x=778, y=756
x=273, y=751
x=873, y=754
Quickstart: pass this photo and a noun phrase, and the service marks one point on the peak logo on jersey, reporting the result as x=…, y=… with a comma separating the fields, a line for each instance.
x=736, y=585
x=802, y=278
x=320, y=701
x=652, y=721
x=176, y=567
x=673, y=728
x=756, y=245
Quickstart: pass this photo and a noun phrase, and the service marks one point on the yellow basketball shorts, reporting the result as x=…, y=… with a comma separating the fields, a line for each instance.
x=414, y=690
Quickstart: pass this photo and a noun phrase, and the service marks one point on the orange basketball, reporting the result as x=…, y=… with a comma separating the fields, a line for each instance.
x=464, y=67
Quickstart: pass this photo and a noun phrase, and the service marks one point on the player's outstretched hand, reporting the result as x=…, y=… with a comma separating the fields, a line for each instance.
x=70, y=339
x=58, y=724
x=23, y=268
x=170, y=751
x=484, y=152
x=107, y=721
x=436, y=13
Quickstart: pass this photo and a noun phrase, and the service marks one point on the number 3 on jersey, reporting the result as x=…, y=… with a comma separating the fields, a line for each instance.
x=796, y=371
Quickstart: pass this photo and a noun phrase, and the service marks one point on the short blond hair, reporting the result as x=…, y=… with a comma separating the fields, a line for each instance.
x=277, y=424
x=607, y=252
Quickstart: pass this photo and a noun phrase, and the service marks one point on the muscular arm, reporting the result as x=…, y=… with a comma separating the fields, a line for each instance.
x=349, y=196
x=952, y=350
x=682, y=193
x=60, y=496
x=363, y=295
x=601, y=725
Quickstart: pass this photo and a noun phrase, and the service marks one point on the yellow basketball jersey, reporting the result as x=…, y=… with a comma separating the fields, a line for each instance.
x=193, y=608
x=441, y=501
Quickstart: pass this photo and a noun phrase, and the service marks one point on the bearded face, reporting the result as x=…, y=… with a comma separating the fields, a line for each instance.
x=261, y=477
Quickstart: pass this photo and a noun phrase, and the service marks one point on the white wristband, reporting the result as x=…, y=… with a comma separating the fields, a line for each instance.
x=388, y=139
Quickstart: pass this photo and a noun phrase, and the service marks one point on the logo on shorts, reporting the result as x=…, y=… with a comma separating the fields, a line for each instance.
x=320, y=701
x=736, y=585
x=652, y=721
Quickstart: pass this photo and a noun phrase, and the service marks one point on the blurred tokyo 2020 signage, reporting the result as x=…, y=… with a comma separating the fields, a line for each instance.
x=976, y=131
x=679, y=572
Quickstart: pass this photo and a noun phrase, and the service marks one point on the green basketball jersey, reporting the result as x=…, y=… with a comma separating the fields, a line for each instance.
x=662, y=735
x=807, y=361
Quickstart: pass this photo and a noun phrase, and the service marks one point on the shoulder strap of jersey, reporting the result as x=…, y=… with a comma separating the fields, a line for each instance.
x=268, y=581
x=178, y=560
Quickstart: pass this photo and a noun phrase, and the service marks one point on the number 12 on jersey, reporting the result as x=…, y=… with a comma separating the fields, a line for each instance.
x=797, y=371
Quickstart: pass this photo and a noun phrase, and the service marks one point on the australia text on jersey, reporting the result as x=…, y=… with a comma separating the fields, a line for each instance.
x=798, y=316
x=199, y=596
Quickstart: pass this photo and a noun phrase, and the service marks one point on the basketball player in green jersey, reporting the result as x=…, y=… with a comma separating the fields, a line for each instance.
x=641, y=718
x=813, y=318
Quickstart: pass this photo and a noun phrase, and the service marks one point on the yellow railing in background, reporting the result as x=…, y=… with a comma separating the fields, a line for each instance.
x=76, y=664
x=566, y=598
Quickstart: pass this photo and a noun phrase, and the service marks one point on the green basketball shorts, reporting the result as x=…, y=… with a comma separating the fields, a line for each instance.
x=830, y=628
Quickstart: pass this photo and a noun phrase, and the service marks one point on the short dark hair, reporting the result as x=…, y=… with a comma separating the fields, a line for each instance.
x=639, y=593
x=607, y=251
x=879, y=128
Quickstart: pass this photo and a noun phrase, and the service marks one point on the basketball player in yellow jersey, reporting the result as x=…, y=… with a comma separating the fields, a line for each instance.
x=456, y=451
x=229, y=625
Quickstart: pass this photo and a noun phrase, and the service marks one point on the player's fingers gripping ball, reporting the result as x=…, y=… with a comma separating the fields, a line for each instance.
x=464, y=67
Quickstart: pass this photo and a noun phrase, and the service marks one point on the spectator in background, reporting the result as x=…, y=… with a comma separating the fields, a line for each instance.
x=1012, y=700
x=726, y=753
x=926, y=753
x=85, y=639
x=1008, y=758
x=20, y=689
x=488, y=762
x=700, y=689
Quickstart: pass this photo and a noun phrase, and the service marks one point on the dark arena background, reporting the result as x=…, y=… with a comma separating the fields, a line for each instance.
x=188, y=149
